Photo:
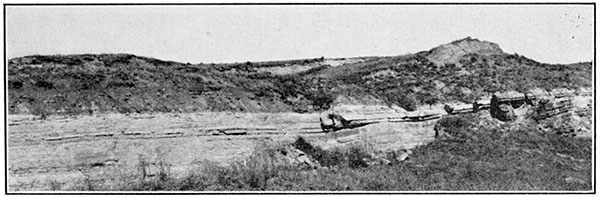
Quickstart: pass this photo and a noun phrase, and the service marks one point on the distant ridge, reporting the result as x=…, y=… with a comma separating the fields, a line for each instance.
x=462, y=70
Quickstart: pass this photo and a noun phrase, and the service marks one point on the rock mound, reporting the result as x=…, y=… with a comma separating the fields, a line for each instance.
x=451, y=53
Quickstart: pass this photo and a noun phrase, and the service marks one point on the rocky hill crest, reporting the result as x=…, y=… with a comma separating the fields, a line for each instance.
x=450, y=53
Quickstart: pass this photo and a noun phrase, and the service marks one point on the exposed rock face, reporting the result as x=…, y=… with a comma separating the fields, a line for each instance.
x=506, y=113
x=450, y=53
x=502, y=105
x=384, y=137
x=569, y=124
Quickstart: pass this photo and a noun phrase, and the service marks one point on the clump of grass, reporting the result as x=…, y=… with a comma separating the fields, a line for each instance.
x=353, y=157
x=151, y=172
x=253, y=173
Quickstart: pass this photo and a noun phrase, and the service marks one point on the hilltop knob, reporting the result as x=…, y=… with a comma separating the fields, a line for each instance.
x=452, y=52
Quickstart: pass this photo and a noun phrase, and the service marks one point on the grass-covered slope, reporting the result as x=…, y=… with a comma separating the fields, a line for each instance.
x=75, y=84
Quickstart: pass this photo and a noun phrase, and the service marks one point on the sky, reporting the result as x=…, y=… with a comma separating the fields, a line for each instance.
x=240, y=33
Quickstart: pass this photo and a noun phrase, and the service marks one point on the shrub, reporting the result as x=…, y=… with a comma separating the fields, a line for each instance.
x=353, y=157
x=15, y=85
x=405, y=100
x=323, y=157
x=455, y=126
x=44, y=84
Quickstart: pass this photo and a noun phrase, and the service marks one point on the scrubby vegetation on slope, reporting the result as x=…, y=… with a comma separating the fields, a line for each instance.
x=82, y=84
x=123, y=83
x=412, y=80
x=482, y=155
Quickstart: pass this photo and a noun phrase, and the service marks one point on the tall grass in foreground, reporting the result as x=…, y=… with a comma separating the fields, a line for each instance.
x=480, y=156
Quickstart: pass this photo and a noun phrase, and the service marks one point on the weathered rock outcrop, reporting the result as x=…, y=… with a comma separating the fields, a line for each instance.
x=383, y=139
x=450, y=53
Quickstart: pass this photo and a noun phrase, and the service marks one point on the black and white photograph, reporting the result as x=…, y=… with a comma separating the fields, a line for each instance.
x=299, y=98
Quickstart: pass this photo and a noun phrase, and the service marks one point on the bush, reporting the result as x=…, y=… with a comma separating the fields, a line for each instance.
x=323, y=157
x=405, y=100
x=353, y=157
x=15, y=85
x=454, y=126
x=44, y=84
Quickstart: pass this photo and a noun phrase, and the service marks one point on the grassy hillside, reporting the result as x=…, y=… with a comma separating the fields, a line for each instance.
x=83, y=84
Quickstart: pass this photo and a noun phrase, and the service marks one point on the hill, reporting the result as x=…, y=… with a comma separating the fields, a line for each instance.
x=452, y=52
x=463, y=70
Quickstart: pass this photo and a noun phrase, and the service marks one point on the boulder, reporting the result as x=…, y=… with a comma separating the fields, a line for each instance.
x=333, y=122
x=298, y=157
x=502, y=105
x=403, y=155
x=504, y=112
x=567, y=124
x=459, y=108
x=549, y=107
